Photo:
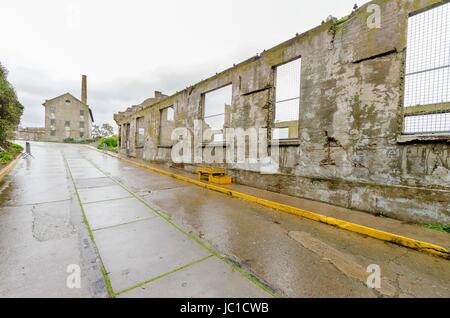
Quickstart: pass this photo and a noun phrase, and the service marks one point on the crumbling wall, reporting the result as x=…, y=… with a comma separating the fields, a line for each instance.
x=350, y=150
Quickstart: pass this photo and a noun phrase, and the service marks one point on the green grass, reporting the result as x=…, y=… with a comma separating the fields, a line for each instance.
x=439, y=227
x=9, y=152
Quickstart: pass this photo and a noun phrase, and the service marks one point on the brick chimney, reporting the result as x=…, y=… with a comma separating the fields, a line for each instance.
x=84, y=89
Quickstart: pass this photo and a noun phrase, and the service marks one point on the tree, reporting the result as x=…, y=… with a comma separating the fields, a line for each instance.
x=103, y=131
x=10, y=108
x=107, y=130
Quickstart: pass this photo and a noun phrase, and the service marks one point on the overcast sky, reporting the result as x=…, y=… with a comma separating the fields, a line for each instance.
x=128, y=49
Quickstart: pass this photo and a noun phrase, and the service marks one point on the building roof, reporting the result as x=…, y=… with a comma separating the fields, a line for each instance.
x=65, y=94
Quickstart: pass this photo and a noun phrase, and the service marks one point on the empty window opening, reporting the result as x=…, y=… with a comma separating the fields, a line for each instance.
x=52, y=122
x=287, y=100
x=52, y=110
x=52, y=132
x=67, y=124
x=140, y=132
x=81, y=124
x=81, y=134
x=82, y=112
x=67, y=102
x=427, y=80
x=126, y=138
x=217, y=111
x=166, y=125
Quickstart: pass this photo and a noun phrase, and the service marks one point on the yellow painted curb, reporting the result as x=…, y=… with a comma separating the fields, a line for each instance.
x=356, y=228
x=9, y=167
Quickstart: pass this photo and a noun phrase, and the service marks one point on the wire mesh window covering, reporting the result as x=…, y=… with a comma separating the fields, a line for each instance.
x=287, y=100
x=216, y=105
x=140, y=132
x=166, y=125
x=427, y=80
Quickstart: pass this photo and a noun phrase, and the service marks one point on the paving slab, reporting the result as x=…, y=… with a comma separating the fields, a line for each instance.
x=79, y=163
x=115, y=212
x=93, y=182
x=79, y=173
x=140, y=251
x=210, y=278
x=37, y=243
x=24, y=190
x=103, y=194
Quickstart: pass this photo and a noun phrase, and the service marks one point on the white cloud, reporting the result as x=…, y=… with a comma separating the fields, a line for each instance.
x=128, y=49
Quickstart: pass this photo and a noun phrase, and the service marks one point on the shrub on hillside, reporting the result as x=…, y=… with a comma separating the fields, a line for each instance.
x=9, y=152
x=10, y=109
x=109, y=143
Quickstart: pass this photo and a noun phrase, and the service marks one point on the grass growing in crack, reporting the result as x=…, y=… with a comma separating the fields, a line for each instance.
x=445, y=228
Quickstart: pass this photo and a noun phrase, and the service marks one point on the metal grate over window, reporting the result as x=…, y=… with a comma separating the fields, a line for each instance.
x=427, y=81
x=287, y=100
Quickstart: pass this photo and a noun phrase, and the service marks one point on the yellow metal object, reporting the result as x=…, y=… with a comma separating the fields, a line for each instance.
x=211, y=170
x=356, y=228
x=206, y=173
x=220, y=179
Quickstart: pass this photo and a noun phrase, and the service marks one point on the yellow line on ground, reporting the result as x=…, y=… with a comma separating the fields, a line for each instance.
x=345, y=225
x=9, y=167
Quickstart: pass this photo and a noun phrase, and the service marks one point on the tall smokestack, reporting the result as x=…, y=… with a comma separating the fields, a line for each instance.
x=84, y=89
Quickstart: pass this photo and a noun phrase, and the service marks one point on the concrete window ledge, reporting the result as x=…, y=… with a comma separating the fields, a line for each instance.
x=402, y=139
x=287, y=143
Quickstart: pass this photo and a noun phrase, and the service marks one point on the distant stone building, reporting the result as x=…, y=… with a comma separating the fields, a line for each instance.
x=67, y=116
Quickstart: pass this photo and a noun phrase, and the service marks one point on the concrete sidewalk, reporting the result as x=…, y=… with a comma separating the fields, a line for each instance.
x=156, y=236
x=295, y=256
x=144, y=254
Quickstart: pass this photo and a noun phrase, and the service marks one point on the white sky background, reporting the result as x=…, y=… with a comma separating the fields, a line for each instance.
x=130, y=48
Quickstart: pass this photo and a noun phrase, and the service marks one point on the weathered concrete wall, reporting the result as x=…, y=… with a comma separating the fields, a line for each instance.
x=30, y=133
x=350, y=151
x=66, y=112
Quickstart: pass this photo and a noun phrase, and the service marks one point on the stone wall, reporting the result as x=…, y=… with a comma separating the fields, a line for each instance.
x=350, y=151
x=30, y=133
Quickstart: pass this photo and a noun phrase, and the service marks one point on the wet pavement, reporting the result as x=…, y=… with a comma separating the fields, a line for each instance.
x=160, y=237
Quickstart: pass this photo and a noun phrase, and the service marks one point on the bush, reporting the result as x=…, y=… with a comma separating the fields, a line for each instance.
x=109, y=143
x=5, y=157
x=17, y=148
x=10, y=152
x=10, y=109
x=71, y=140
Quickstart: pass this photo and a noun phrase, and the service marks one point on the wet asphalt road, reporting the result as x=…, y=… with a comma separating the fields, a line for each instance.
x=155, y=236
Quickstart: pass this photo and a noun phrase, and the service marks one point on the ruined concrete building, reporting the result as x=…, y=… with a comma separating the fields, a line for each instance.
x=359, y=106
x=30, y=133
x=68, y=117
